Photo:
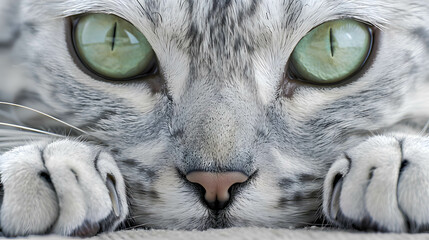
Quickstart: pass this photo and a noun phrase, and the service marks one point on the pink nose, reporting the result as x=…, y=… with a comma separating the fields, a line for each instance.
x=216, y=184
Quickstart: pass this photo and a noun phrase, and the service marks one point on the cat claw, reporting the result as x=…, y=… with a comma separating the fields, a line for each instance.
x=335, y=202
x=110, y=183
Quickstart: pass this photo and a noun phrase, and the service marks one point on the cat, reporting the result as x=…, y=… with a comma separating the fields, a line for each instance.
x=237, y=113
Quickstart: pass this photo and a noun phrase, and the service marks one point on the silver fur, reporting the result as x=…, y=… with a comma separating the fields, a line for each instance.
x=223, y=64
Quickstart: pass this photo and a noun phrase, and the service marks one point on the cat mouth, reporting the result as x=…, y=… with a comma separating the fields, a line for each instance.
x=218, y=220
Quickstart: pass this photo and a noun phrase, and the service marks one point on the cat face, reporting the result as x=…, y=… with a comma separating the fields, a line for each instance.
x=222, y=100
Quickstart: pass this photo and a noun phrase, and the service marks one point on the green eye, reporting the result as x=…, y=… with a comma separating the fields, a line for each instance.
x=332, y=52
x=111, y=47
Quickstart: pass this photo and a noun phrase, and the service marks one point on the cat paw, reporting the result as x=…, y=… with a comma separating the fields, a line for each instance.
x=381, y=185
x=65, y=187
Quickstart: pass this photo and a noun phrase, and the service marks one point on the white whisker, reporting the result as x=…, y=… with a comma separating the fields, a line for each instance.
x=43, y=114
x=14, y=132
x=31, y=129
x=136, y=226
x=425, y=128
x=21, y=138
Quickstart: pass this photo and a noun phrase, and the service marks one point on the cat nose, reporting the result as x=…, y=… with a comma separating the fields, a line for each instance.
x=216, y=186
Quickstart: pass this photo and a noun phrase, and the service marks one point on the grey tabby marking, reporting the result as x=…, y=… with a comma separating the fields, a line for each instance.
x=221, y=106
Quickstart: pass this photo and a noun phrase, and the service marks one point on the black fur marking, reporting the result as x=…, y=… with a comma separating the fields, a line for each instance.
x=300, y=199
x=75, y=174
x=87, y=229
x=371, y=173
x=422, y=34
x=45, y=176
x=293, y=10
x=283, y=203
x=404, y=162
x=404, y=165
x=42, y=157
x=304, y=178
x=96, y=159
x=153, y=194
x=31, y=26
x=1, y=195
x=348, y=158
x=115, y=151
x=402, y=168
x=177, y=133
x=367, y=223
x=26, y=96
x=142, y=170
x=300, y=196
x=107, y=223
x=418, y=228
x=286, y=183
x=151, y=12
x=10, y=43
x=262, y=134
x=131, y=163
x=144, y=191
x=248, y=13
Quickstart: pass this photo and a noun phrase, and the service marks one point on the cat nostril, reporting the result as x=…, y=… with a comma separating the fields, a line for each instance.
x=216, y=186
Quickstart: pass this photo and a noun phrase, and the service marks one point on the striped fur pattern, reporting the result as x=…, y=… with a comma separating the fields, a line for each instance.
x=222, y=107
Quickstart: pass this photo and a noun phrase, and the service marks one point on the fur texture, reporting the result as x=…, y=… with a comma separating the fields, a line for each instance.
x=222, y=107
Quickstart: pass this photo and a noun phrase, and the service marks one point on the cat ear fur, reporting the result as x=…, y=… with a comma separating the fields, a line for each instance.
x=9, y=21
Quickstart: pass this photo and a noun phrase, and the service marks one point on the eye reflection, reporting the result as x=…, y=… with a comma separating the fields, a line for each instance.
x=332, y=52
x=111, y=47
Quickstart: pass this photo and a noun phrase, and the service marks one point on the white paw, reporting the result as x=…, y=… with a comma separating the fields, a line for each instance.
x=65, y=187
x=382, y=185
